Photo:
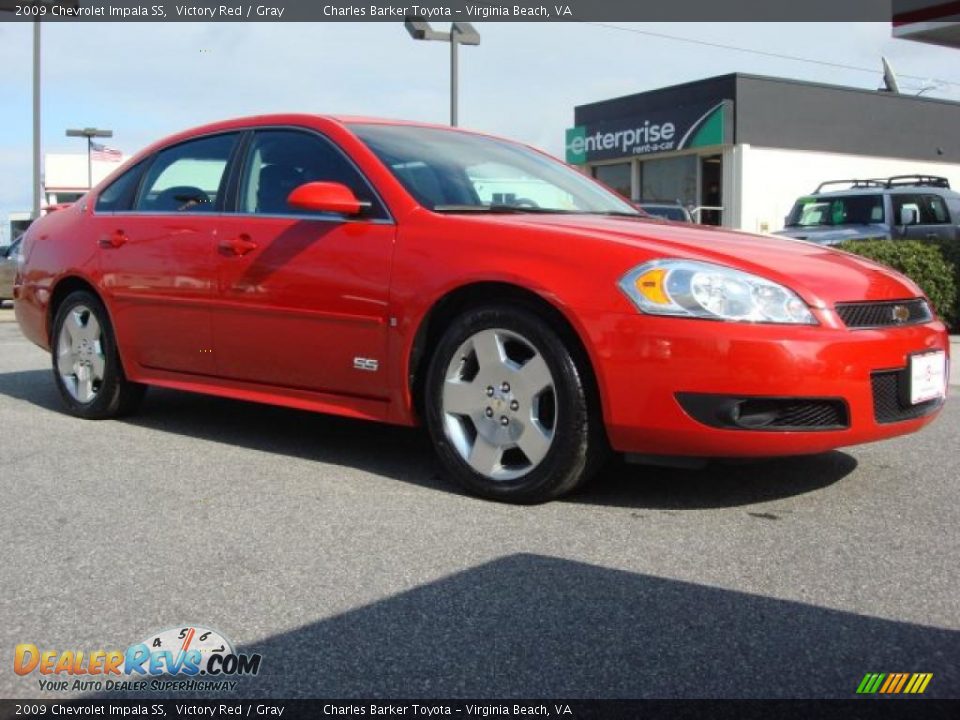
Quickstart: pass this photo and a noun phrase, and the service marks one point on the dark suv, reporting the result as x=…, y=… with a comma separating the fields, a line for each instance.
x=914, y=207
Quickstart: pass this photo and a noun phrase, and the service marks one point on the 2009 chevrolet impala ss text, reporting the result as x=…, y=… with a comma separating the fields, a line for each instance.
x=531, y=319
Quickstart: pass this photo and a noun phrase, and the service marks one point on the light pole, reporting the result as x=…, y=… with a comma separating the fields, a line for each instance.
x=35, y=210
x=461, y=33
x=11, y=6
x=90, y=134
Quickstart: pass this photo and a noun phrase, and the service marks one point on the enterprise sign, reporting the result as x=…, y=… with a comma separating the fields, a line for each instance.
x=659, y=131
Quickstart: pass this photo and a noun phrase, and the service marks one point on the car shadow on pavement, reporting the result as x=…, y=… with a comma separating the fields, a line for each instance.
x=718, y=484
x=531, y=626
x=406, y=454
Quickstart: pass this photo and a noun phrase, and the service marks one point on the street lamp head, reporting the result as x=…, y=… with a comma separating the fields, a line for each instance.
x=420, y=29
x=463, y=32
x=89, y=133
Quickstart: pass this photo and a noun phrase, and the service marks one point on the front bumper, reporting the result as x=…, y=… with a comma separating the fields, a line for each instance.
x=643, y=363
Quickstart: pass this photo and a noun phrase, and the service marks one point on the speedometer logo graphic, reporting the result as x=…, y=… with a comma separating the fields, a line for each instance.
x=192, y=638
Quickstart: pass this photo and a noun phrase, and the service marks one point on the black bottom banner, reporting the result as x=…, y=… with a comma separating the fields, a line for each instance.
x=486, y=709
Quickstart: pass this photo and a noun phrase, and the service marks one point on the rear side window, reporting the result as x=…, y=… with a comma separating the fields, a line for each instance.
x=188, y=177
x=278, y=161
x=119, y=194
x=933, y=211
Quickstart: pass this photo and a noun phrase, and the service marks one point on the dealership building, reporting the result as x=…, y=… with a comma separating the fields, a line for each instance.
x=65, y=179
x=743, y=147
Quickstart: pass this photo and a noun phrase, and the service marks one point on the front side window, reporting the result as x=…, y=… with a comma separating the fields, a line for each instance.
x=188, y=177
x=278, y=161
x=843, y=210
x=912, y=205
x=451, y=171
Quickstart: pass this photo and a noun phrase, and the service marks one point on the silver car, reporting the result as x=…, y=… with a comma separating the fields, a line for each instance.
x=8, y=268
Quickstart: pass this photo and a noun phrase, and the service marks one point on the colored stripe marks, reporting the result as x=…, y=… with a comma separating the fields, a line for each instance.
x=894, y=683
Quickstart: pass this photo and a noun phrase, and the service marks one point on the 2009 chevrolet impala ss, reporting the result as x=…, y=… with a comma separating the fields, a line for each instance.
x=529, y=317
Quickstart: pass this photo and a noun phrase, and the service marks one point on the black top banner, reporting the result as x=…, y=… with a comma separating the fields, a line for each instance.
x=453, y=11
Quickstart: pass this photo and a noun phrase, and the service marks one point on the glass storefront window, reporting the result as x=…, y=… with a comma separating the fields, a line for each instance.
x=672, y=179
x=616, y=177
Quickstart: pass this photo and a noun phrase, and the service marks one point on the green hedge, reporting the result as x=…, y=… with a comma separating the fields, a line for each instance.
x=924, y=263
x=950, y=250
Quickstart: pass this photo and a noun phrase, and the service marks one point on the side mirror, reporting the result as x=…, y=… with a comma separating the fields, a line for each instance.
x=325, y=197
x=909, y=215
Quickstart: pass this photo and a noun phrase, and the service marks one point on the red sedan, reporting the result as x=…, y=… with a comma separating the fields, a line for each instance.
x=528, y=316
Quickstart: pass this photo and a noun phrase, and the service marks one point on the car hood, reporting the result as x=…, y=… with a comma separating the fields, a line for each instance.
x=829, y=235
x=820, y=275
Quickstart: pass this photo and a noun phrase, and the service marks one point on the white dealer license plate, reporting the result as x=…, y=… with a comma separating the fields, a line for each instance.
x=928, y=375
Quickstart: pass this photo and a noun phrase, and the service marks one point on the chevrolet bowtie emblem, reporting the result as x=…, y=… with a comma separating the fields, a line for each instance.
x=901, y=313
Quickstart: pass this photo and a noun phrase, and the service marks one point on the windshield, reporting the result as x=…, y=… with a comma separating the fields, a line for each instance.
x=843, y=210
x=448, y=171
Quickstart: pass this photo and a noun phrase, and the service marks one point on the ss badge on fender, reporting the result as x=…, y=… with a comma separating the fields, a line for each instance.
x=368, y=364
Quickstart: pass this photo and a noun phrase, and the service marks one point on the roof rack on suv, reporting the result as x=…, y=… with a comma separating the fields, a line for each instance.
x=924, y=180
x=891, y=182
x=851, y=183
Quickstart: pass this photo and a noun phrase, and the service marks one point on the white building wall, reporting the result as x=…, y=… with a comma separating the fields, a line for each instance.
x=68, y=171
x=772, y=179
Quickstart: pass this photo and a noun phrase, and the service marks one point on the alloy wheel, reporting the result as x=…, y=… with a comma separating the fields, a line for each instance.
x=499, y=404
x=81, y=362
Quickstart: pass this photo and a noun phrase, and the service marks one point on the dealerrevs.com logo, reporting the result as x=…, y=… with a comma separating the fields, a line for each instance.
x=189, y=659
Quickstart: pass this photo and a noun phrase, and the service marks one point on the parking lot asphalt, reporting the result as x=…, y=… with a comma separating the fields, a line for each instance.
x=332, y=548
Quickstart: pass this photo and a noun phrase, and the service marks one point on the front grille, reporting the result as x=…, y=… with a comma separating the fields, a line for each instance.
x=891, y=402
x=804, y=414
x=766, y=413
x=884, y=314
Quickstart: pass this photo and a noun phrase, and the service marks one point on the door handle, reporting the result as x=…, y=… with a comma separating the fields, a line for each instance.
x=114, y=240
x=240, y=245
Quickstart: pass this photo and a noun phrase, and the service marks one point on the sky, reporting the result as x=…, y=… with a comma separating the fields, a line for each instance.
x=145, y=81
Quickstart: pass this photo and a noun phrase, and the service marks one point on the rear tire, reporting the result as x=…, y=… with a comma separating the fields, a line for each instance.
x=86, y=364
x=508, y=408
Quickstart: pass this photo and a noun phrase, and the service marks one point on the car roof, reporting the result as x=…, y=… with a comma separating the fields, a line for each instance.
x=299, y=118
x=340, y=121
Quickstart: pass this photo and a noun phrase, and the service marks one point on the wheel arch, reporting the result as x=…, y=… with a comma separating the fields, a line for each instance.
x=445, y=309
x=61, y=290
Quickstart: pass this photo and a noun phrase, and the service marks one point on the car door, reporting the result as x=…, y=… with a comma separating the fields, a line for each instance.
x=302, y=295
x=156, y=228
x=935, y=216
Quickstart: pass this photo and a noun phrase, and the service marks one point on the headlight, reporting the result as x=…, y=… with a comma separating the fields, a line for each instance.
x=689, y=288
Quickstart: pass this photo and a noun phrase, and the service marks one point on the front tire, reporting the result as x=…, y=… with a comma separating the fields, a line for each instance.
x=86, y=364
x=508, y=409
